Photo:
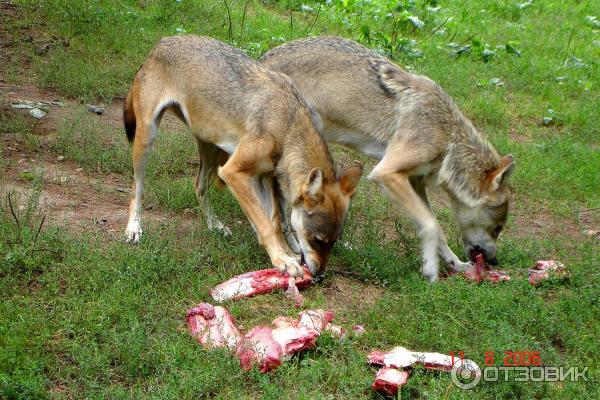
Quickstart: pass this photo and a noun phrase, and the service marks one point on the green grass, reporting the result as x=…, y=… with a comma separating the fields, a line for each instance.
x=85, y=316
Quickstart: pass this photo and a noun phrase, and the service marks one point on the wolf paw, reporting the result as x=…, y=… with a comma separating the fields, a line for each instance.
x=133, y=234
x=430, y=271
x=289, y=265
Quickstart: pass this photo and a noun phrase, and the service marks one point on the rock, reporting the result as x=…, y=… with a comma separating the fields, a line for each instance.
x=37, y=113
x=60, y=158
x=592, y=233
x=95, y=109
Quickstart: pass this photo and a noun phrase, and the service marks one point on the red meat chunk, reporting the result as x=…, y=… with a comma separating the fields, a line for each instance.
x=389, y=380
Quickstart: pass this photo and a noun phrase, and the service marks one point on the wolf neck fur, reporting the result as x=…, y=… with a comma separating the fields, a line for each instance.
x=301, y=154
x=469, y=156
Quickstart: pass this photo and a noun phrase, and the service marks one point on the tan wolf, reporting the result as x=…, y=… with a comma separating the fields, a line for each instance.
x=417, y=133
x=253, y=122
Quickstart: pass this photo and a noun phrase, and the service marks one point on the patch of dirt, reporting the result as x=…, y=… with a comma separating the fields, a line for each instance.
x=347, y=294
x=72, y=199
x=535, y=220
x=47, y=126
x=56, y=115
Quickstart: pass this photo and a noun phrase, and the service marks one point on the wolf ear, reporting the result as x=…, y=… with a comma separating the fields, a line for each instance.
x=312, y=190
x=350, y=178
x=496, y=177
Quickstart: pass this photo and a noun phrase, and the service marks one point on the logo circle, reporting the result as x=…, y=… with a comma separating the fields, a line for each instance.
x=465, y=374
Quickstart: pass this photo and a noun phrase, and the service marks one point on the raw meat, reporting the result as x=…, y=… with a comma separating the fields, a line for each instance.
x=392, y=376
x=269, y=347
x=213, y=326
x=358, y=330
x=293, y=293
x=320, y=320
x=401, y=357
x=389, y=380
x=479, y=272
x=266, y=347
x=315, y=319
x=546, y=269
x=259, y=282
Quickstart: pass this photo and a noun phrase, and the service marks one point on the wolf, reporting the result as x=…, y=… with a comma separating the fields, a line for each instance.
x=415, y=131
x=255, y=131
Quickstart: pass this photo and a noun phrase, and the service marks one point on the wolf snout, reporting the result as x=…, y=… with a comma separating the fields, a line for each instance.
x=490, y=256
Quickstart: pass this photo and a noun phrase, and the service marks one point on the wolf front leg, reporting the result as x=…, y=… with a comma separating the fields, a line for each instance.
x=392, y=174
x=447, y=255
x=247, y=163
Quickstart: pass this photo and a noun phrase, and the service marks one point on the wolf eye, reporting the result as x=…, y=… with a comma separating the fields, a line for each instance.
x=318, y=242
x=497, y=231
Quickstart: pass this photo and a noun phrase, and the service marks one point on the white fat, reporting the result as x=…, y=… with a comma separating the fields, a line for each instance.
x=232, y=288
x=392, y=375
x=227, y=329
x=401, y=357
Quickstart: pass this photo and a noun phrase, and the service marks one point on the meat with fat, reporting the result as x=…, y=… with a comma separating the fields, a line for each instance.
x=259, y=282
x=213, y=326
x=392, y=376
x=401, y=357
x=546, y=270
x=263, y=346
x=479, y=271
x=389, y=380
x=268, y=347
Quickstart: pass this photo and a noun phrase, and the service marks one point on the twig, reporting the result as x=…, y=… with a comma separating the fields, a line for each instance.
x=312, y=24
x=243, y=20
x=12, y=211
x=469, y=38
x=453, y=36
x=291, y=22
x=569, y=42
x=438, y=28
x=39, y=230
x=229, y=18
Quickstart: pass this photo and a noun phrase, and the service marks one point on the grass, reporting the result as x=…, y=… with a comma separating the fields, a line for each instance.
x=85, y=316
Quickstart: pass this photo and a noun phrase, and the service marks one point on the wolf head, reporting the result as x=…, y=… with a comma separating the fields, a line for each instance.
x=318, y=215
x=481, y=225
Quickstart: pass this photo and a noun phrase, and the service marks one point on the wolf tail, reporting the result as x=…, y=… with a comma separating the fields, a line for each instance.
x=129, y=116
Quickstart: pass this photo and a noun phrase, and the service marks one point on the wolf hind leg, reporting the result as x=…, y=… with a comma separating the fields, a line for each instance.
x=210, y=158
x=145, y=133
x=446, y=254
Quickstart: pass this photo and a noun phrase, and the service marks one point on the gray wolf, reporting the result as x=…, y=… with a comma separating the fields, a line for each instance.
x=417, y=133
x=254, y=130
